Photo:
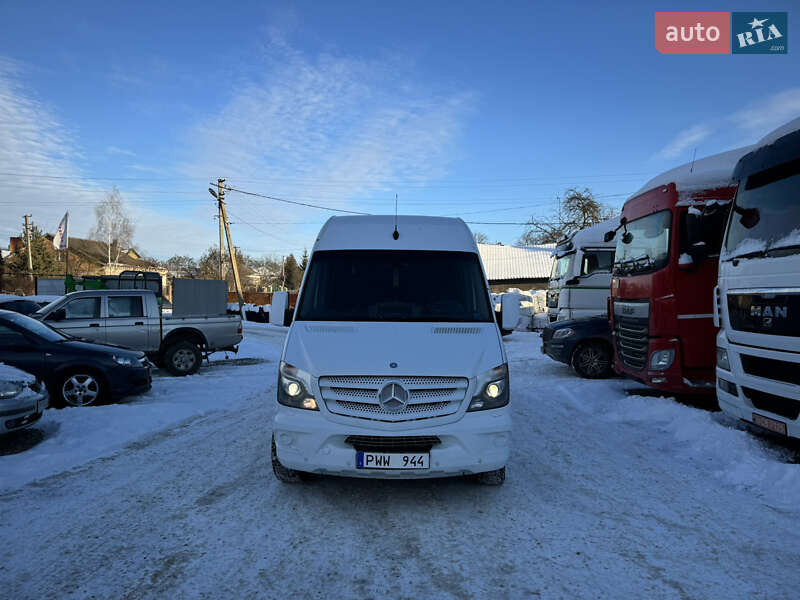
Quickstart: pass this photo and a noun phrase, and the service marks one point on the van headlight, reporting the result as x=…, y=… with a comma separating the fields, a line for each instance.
x=662, y=359
x=722, y=359
x=293, y=385
x=492, y=390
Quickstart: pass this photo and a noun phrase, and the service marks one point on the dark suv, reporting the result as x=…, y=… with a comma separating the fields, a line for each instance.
x=583, y=343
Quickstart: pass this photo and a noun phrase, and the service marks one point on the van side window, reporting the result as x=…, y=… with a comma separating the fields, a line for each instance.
x=125, y=306
x=597, y=261
x=83, y=308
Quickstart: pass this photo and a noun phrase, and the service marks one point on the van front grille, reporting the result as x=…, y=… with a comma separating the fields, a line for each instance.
x=632, y=337
x=426, y=397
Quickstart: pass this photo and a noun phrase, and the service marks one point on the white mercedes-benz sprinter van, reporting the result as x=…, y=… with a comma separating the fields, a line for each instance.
x=394, y=365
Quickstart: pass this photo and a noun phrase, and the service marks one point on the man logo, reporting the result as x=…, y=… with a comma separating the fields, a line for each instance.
x=779, y=312
x=759, y=33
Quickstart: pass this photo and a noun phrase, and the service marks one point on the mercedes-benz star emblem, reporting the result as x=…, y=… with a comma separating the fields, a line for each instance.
x=393, y=397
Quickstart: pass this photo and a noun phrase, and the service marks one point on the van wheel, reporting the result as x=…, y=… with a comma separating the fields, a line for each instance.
x=282, y=473
x=80, y=388
x=496, y=477
x=183, y=358
x=592, y=360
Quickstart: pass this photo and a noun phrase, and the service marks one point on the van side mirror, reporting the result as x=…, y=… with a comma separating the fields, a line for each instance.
x=57, y=315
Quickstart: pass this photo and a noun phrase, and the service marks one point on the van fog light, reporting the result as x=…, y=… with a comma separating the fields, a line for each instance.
x=493, y=390
x=294, y=389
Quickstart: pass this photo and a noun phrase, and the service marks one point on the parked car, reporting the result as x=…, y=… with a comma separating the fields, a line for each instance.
x=75, y=372
x=586, y=344
x=404, y=378
x=23, y=398
x=133, y=319
x=20, y=305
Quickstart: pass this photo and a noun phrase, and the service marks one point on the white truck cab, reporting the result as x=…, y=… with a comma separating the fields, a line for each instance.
x=394, y=366
x=581, y=275
x=757, y=302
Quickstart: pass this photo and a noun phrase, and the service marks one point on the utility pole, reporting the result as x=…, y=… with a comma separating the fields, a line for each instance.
x=234, y=267
x=28, y=242
x=220, y=204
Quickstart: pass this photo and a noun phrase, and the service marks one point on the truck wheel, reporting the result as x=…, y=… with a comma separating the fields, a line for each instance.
x=496, y=477
x=592, y=360
x=282, y=473
x=80, y=388
x=183, y=358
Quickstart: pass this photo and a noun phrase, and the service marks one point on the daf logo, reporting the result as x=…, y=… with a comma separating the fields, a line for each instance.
x=393, y=397
x=627, y=310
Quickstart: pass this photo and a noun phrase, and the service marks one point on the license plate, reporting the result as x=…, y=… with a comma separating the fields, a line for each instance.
x=771, y=424
x=381, y=460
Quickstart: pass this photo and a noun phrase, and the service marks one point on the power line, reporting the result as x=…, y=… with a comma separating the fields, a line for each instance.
x=351, y=212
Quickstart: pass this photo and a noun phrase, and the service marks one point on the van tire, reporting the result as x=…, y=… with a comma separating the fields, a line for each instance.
x=496, y=477
x=183, y=358
x=283, y=474
x=593, y=360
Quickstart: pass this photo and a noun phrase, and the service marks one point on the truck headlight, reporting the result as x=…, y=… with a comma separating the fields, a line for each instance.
x=10, y=389
x=122, y=360
x=722, y=359
x=492, y=390
x=560, y=334
x=662, y=359
x=293, y=385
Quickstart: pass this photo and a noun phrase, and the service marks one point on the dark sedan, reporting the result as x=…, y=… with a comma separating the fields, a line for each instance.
x=583, y=343
x=20, y=305
x=76, y=373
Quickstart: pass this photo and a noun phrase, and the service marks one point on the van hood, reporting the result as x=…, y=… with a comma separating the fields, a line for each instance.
x=426, y=349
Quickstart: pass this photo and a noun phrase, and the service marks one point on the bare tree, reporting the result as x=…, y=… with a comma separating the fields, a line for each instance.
x=480, y=237
x=112, y=224
x=577, y=210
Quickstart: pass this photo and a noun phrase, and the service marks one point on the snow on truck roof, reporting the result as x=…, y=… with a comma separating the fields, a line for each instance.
x=704, y=173
x=591, y=236
x=374, y=232
x=781, y=131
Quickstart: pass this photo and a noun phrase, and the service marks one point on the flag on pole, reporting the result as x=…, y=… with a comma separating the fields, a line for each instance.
x=61, y=238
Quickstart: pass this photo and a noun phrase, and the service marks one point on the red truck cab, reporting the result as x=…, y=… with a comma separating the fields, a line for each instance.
x=664, y=275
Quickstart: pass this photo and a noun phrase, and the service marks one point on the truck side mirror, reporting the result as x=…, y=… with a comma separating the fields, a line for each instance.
x=609, y=235
x=694, y=238
x=573, y=281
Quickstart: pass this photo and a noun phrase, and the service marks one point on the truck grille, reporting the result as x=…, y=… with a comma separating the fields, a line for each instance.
x=785, y=407
x=428, y=397
x=378, y=443
x=632, y=341
x=768, y=368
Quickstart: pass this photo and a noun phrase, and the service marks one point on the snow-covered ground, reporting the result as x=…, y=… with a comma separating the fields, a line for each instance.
x=608, y=495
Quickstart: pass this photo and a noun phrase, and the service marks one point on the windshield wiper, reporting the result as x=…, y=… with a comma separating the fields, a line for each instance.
x=791, y=248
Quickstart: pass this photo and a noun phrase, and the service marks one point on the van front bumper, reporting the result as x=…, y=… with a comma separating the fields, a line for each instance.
x=307, y=441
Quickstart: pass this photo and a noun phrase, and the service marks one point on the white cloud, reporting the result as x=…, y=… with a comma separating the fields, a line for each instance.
x=768, y=114
x=685, y=140
x=326, y=130
x=38, y=159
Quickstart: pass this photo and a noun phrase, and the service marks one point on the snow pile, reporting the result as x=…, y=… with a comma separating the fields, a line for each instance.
x=737, y=457
x=75, y=436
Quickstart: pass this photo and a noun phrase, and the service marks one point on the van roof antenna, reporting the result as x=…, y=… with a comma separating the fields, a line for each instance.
x=396, y=233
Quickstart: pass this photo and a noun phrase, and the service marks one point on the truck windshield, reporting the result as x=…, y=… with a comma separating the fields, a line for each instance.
x=643, y=245
x=562, y=266
x=765, y=220
x=390, y=285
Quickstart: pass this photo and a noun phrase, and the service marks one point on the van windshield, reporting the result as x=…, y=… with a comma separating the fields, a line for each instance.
x=390, y=285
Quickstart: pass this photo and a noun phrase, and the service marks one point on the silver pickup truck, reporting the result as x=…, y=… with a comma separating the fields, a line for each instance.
x=133, y=319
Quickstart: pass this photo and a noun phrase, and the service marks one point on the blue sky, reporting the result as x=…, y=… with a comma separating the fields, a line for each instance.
x=480, y=110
